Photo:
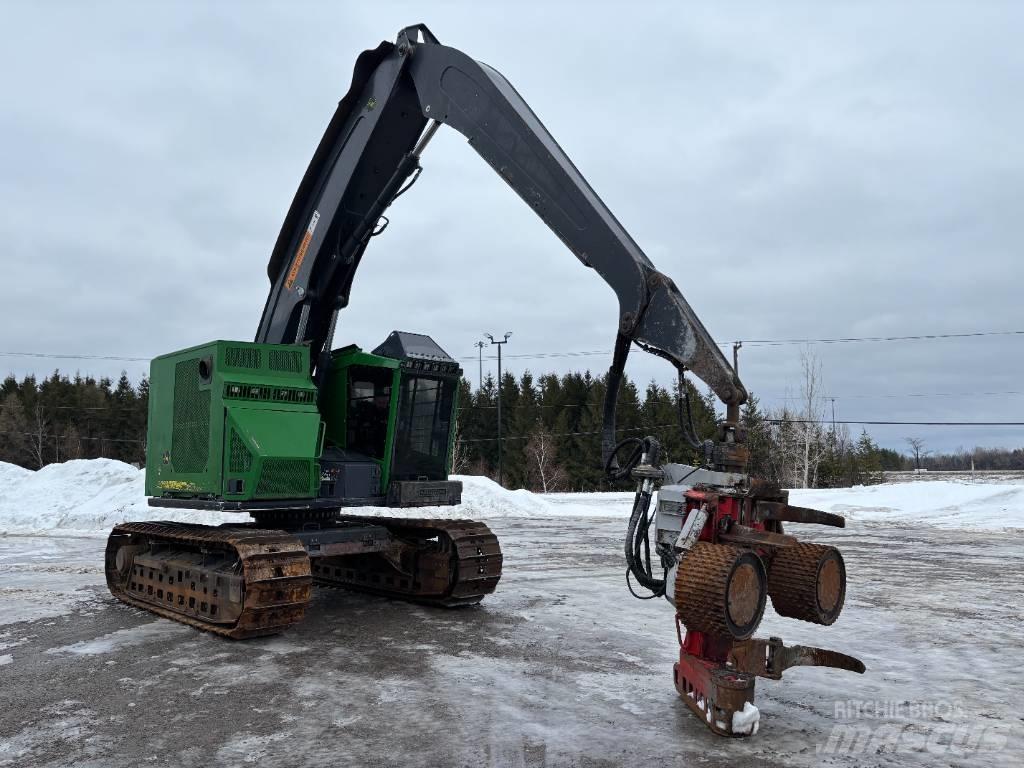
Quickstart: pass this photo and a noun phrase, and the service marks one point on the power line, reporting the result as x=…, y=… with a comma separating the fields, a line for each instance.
x=905, y=423
x=771, y=421
x=896, y=395
x=799, y=398
x=76, y=357
x=592, y=352
x=49, y=436
x=857, y=339
x=783, y=342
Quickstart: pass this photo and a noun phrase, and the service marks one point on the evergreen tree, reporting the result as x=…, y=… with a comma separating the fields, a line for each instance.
x=869, y=462
x=758, y=432
x=13, y=429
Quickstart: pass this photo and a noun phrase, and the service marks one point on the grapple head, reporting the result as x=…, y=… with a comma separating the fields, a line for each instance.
x=726, y=554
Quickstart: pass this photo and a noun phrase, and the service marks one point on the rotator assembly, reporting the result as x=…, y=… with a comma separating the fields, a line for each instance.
x=723, y=554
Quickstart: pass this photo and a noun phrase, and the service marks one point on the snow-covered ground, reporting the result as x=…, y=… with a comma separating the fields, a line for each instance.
x=559, y=667
x=87, y=497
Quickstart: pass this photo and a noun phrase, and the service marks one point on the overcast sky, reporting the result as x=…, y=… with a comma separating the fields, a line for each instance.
x=804, y=170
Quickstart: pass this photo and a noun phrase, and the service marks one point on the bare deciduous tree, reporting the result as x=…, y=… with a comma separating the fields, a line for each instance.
x=543, y=468
x=460, y=456
x=812, y=414
x=917, y=448
x=37, y=434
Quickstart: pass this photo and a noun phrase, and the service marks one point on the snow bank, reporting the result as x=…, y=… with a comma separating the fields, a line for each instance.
x=11, y=473
x=83, y=497
x=88, y=497
x=940, y=503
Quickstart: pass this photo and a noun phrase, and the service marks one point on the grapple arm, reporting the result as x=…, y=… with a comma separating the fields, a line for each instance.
x=371, y=149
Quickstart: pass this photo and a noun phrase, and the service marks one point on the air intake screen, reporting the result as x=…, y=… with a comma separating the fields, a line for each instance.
x=285, y=360
x=190, y=436
x=243, y=357
x=240, y=459
x=285, y=477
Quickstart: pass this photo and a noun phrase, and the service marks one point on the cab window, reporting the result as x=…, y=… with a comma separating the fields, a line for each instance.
x=369, y=402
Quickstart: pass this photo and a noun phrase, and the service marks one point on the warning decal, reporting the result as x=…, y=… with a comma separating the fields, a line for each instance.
x=300, y=253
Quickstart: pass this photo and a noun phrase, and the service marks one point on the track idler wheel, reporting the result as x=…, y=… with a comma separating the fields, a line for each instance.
x=808, y=582
x=721, y=590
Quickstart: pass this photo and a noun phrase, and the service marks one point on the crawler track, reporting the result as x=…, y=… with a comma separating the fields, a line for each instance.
x=236, y=582
x=449, y=563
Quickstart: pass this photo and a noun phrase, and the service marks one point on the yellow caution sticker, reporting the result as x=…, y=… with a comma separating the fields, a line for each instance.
x=300, y=254
x=177, y=485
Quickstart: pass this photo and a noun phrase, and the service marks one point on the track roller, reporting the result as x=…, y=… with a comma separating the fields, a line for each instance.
x=808, y=582
x=721, y=590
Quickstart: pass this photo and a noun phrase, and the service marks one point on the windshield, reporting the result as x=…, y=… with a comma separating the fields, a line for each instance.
x=424, y=421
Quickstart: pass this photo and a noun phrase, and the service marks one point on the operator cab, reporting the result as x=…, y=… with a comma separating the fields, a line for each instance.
x=390, y=417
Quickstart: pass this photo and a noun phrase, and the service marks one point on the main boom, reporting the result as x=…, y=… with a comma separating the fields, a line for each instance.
x=400, y=94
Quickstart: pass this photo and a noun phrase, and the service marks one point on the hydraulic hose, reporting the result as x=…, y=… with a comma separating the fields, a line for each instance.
x=637, y=545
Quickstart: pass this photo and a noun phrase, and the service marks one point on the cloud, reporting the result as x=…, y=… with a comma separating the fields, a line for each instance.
x=799, y=170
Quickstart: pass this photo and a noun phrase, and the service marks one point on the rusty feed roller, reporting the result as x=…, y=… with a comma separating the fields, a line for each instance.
x=723, y=550
x=721, y=590
x=808, y=582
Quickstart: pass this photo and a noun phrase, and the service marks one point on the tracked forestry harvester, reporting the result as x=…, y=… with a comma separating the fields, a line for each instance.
x=295, y=433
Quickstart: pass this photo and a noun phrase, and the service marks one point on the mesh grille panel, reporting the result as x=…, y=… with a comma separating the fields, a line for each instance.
x=190, y=436
x=233, y=391
x=240, y=459
x=285, y=360
x=243, y=357
x=285, y=477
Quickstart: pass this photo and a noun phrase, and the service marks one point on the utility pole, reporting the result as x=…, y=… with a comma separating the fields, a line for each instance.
x=833, y=415
x=480, y=348
x=499, y=344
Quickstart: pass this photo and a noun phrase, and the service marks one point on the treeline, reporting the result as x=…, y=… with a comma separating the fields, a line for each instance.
x=964, y=460
x=798, y=450
x=61, y=418
x=551, y=428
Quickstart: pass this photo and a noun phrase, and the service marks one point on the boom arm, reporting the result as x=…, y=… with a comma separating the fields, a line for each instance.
x=370, y=154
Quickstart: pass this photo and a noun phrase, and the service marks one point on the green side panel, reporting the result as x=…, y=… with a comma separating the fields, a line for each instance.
x=272, y=452
x=237, y=411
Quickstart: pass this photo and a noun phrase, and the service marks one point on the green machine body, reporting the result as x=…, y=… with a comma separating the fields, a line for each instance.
x=233, y=420
x=244, y=422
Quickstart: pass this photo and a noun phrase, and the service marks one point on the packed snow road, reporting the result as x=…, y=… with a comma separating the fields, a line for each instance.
x=559, y=667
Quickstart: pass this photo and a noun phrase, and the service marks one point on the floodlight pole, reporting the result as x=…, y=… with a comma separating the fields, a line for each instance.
x=499, y=345
x=480, y=348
